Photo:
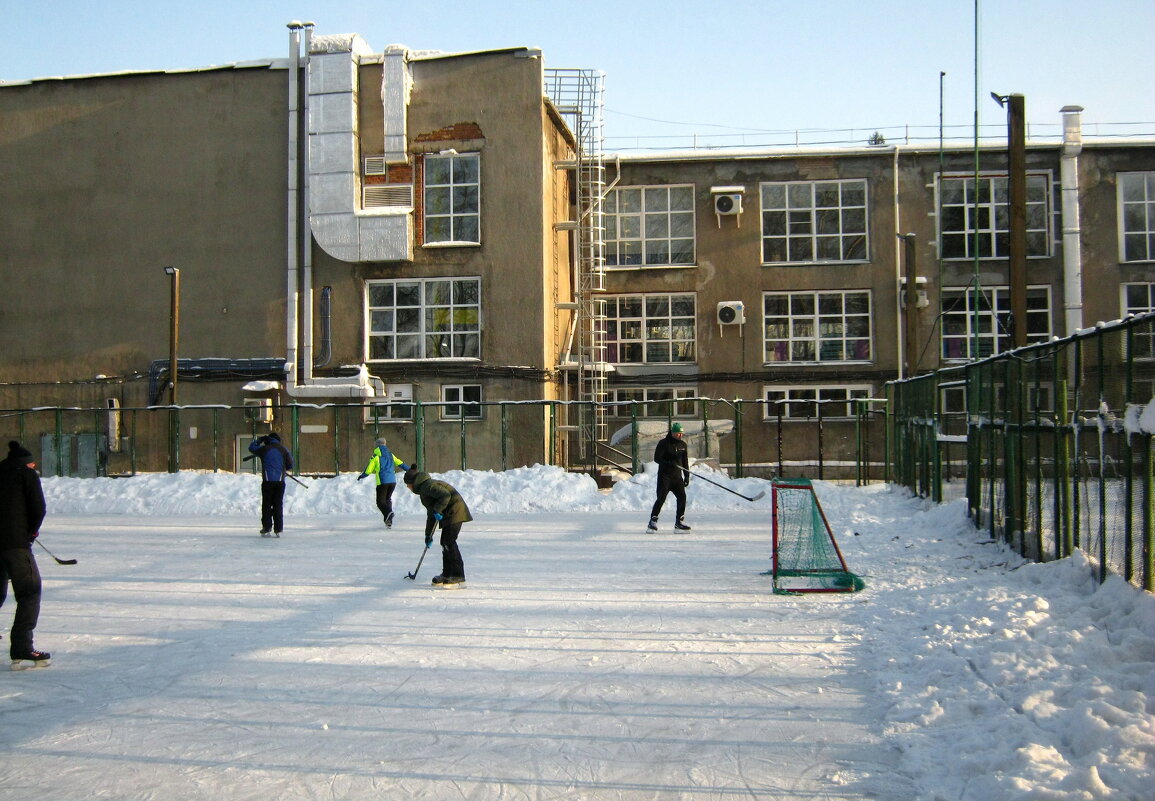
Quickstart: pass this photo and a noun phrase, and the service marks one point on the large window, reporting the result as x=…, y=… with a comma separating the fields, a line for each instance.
x=650, y=226
x=453, y=198
x=814, y=221
x=1140, y=299
x=977, y=325
x=650, y=329
x=651, y=402
x=816, y=326
x=424, y=319
x=808, y=401
x=1137, y=216
x=978, y=223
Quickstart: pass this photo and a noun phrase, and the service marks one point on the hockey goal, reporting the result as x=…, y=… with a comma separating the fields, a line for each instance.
x=806, y=556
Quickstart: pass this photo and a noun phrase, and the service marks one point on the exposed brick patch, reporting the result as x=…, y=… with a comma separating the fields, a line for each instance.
x=394, y=174
x=458, y=130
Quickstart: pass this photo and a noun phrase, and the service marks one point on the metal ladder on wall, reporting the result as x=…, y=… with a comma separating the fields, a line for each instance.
x=579, y=96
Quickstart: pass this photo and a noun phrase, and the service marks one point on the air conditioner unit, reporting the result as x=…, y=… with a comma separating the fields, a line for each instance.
x=731, y=312
x=259, y=410
x=728, y=204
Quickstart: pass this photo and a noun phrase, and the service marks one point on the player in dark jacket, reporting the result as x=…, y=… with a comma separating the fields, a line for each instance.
x=673, y=476
x=443, y=504
x=22, y=511
x=276, y=462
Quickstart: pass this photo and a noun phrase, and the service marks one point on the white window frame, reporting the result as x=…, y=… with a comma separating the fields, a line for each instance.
x=800, y=334
x=1143, y=339
x=1136, y=193
x=993, y=215
x=653, y=402
x=423, y=330
x=455, y=201
x=815, y=222
x=801, y=401
x=465, y=402
x=993, y=335
x=644, y=326
x=650, y=226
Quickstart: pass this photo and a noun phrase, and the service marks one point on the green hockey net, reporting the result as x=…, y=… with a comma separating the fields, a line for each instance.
x=806, y=557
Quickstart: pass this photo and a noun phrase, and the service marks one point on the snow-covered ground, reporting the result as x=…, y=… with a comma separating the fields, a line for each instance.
x=586, y=659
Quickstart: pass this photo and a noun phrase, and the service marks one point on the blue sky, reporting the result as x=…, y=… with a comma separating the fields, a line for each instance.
x=672, y=68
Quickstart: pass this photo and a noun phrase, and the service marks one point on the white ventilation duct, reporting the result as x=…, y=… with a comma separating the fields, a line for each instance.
x=300, y=381
x=340, y=226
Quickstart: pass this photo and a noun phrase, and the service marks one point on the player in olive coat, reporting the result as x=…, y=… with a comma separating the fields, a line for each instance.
x=443, y=504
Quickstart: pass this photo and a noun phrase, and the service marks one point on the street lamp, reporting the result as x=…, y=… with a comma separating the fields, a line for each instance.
x=173, y=331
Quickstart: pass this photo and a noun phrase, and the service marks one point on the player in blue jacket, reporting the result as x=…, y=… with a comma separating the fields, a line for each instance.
x=276, y=462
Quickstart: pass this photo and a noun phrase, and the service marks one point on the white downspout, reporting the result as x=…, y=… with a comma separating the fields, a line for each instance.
x=293, y=221
x=1072, y=233
x=305, y=230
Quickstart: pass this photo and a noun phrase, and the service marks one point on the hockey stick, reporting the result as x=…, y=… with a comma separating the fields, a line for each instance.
x=757, y=497
x=413, y=576
x=59, y=561
x=299, y=481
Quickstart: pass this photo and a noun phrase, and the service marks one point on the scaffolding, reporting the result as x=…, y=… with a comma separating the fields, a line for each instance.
x=578, y=95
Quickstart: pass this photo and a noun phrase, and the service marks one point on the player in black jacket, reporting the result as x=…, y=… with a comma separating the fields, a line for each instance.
x=22, y=511
x=673, y=476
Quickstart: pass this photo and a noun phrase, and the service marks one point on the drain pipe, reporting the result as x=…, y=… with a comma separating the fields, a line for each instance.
x=305, y=228
x=293, y=221
x=1072, y=234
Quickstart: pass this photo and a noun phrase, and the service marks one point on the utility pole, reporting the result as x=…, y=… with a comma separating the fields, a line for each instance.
x=1017, y=186
x=910, y=300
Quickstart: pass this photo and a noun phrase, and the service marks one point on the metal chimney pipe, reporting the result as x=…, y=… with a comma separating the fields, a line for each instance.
x=1072, y=232
x=292, y=261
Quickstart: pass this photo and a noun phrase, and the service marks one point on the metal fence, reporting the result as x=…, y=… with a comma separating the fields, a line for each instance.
x=1051, y=445
x=816, y=438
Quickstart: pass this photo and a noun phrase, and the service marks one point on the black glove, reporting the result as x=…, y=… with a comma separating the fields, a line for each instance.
x=363, y=475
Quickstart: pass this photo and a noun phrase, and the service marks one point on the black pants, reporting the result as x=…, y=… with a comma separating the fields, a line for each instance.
x=18, y=565
x=272, y=506
x=666, y=485
x=451, y=564
x=385, y=499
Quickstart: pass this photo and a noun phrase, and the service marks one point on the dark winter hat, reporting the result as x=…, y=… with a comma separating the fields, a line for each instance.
x=19, y=452
x=411, y=475
x=274, y=436
x=676, y=428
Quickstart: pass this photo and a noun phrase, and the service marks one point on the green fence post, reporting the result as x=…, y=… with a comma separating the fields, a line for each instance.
x=337, y=440
x=216, y=439
x=462, y=438
x=551, y=422
x=419, y=440
x=58, y=441
x=1148, y=514
x=739, y=468
x=173, y=439
x=504, y=436
x=635, y=450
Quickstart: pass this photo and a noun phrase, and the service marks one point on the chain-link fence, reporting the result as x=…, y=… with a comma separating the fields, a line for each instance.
x=1057, y=441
